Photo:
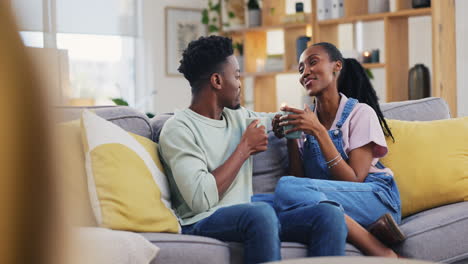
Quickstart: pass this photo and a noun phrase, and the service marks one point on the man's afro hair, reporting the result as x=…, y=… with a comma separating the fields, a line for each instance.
x=204, y=57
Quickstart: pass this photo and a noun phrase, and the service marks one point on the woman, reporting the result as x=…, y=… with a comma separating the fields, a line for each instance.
x=337, y=161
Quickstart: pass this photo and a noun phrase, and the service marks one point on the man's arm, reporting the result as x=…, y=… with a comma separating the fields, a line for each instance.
x=199, y=187
x=253, y=141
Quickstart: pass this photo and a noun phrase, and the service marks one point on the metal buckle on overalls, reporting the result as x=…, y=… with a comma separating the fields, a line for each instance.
x=336, y=132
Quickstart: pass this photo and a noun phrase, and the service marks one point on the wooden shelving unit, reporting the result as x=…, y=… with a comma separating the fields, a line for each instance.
x=373, y=65
x=396, y=47
x=380, y=16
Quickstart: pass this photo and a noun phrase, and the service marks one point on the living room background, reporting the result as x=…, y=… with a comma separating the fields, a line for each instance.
x=117, y=49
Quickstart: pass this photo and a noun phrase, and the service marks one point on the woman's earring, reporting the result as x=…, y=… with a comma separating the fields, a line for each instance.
x=334, y=73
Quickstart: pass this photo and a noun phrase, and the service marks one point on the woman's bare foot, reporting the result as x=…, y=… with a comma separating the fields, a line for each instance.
x=366, y=242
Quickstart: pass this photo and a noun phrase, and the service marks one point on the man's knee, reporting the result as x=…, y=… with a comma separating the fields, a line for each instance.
x=262, y=214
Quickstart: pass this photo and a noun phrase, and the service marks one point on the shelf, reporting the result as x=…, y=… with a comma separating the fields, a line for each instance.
x=380, y=16
x=267, y=28
x=373, y=65
x=257, y=74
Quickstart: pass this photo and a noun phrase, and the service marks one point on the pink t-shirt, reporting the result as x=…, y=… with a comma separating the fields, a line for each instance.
x=360, y=128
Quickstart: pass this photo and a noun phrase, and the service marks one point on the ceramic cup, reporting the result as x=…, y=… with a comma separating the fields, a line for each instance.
x=263, y=122
x=293, y=135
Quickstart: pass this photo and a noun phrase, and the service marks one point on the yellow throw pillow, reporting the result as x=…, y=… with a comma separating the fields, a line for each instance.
x=430, y=162
x=127, y=188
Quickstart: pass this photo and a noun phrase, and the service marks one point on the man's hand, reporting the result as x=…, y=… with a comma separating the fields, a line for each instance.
x=254, y=138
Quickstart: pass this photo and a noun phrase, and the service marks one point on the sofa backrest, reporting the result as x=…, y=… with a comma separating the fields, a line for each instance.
x=272, y=164
x=126, y=117
x=427, y=109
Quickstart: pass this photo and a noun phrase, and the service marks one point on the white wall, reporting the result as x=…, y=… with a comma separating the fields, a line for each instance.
x=171, y=92
x=370, y=36
x=462, y=56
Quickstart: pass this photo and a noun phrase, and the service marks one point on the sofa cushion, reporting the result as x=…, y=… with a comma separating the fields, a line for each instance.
x=270, y=165
x=432, y=108
x=125, y=117
x=175, y=249
x=429, y=171
x=125, y=178
x=439, y=234
x=289, y=250
x=157, y=124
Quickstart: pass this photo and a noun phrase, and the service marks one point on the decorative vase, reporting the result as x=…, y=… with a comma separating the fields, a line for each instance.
x=418, y=82
x=240, y=60
x=378, y=6
x=255, y=17
x=421, y=3
x=301, y=45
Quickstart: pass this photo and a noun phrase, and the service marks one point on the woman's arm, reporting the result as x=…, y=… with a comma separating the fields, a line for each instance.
x=360, y=159
x=357, y=167
x=295, y=159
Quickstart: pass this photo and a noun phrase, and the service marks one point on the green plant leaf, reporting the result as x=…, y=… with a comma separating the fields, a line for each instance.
x=253, y=4
x=119, y=101
x=217, y=7
x=231, y=14
x=205, y=19
x=213, y=28
x=370, y=74
x=226, y=25
x=210, y=5
x=214, y=19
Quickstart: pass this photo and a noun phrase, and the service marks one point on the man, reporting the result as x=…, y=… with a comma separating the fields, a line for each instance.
x=206, y=152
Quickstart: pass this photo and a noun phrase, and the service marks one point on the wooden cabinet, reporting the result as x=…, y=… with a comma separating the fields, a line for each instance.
x=396, y=43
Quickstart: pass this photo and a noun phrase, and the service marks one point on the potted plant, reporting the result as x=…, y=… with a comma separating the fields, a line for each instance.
x=211, y=16
x=239, y=51
x=255, y=18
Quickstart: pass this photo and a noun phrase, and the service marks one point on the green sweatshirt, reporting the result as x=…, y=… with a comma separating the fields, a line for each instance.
x=191, y=146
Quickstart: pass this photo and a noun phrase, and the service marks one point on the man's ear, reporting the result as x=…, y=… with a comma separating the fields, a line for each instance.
x=216, y=80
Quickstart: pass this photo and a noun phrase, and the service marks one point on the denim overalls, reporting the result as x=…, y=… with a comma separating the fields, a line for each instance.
x=364, y=202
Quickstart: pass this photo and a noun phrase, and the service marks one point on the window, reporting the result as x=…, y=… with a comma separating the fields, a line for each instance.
x=33, y=39
x=101, y=67
x=99, y=37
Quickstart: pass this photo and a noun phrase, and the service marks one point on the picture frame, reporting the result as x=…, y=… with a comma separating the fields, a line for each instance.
x=182, y=26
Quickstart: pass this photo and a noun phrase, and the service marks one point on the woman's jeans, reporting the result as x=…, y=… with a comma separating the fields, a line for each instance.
x=364, y=201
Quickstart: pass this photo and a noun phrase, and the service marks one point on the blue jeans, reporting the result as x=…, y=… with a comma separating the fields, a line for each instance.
x=254, y=224
x=364, y=201
x=321, y=226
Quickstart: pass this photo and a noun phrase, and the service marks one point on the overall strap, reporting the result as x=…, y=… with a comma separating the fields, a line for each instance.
x=350, y=104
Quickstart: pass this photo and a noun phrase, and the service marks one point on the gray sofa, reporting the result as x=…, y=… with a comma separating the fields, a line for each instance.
x=439, y=234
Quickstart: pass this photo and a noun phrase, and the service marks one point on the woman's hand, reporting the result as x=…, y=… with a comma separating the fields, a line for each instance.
x=277, y=129
x=302, y=120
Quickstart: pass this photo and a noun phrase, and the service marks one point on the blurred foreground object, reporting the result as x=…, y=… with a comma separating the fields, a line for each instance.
x=29, y=222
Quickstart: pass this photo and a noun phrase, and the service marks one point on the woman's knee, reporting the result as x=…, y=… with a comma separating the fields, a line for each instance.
x=287, y=185
x=332, y=218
